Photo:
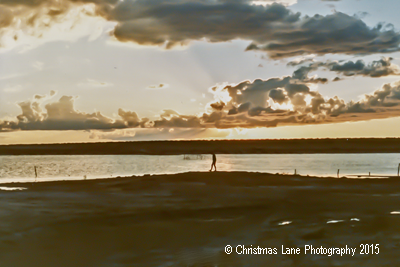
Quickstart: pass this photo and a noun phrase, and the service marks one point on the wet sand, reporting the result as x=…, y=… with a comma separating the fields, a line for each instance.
x=187, y=220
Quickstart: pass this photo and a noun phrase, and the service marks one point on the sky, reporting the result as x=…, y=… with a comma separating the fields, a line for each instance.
x=126, y=70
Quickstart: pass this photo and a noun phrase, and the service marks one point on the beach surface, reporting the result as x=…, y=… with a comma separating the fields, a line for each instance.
x=188, y=219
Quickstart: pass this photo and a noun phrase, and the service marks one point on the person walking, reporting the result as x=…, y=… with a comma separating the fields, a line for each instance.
x=35, y=173
x=214, y=162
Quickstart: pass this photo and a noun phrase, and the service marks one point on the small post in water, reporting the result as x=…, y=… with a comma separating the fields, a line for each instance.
x=295, y=172
x=369, y=174
x=398, y=170
x=338, y=173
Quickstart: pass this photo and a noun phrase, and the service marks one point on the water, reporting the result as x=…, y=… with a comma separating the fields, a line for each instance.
x=68, y=167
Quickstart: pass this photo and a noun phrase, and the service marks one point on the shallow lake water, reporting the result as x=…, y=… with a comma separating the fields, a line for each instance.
x=68, y=167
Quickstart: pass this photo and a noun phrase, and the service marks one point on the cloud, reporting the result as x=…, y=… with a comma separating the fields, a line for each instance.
x=13, y=88
x=287, y=100
x=274, y=29
x=375, y=69
x=62, y=115
x=276, y=101
x=335, y=33
x=378, y=68
x=11, y=76
x=91, y=83
x=273, y=102
x=38, y=65
x=32, y=23
x=271, y=28
x=268, y=2
x=159, y=134
x=158, y=86
x=119, y=135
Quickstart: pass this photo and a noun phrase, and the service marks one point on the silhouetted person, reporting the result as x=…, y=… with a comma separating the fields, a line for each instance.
x=214, y=162
x=35, y=173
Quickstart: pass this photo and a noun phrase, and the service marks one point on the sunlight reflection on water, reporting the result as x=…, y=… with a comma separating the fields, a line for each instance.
x=12, y=188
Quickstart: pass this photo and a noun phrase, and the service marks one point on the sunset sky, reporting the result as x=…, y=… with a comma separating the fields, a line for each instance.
x=118, y=70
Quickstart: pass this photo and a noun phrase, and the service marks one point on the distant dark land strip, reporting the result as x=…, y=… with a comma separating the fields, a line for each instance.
x=284, y=146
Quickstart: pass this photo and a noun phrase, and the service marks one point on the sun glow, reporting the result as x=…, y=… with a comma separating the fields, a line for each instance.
x=284, y=106
x=220, y=94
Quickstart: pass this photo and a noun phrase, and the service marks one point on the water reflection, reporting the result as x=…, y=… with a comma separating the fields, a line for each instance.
x=12, y=188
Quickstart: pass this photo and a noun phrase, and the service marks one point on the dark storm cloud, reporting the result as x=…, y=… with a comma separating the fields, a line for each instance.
x=378, y=68
x=375, y=69
x=175, y=23
x=274, y=28
x=335, y=33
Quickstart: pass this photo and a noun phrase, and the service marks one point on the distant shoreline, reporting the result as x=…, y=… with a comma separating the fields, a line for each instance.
x=268, y=146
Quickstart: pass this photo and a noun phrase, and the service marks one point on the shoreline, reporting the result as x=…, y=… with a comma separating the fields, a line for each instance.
x=198, y=176
x=277, y=175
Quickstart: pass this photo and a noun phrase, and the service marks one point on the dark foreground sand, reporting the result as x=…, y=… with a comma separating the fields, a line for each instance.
x=188, y=219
